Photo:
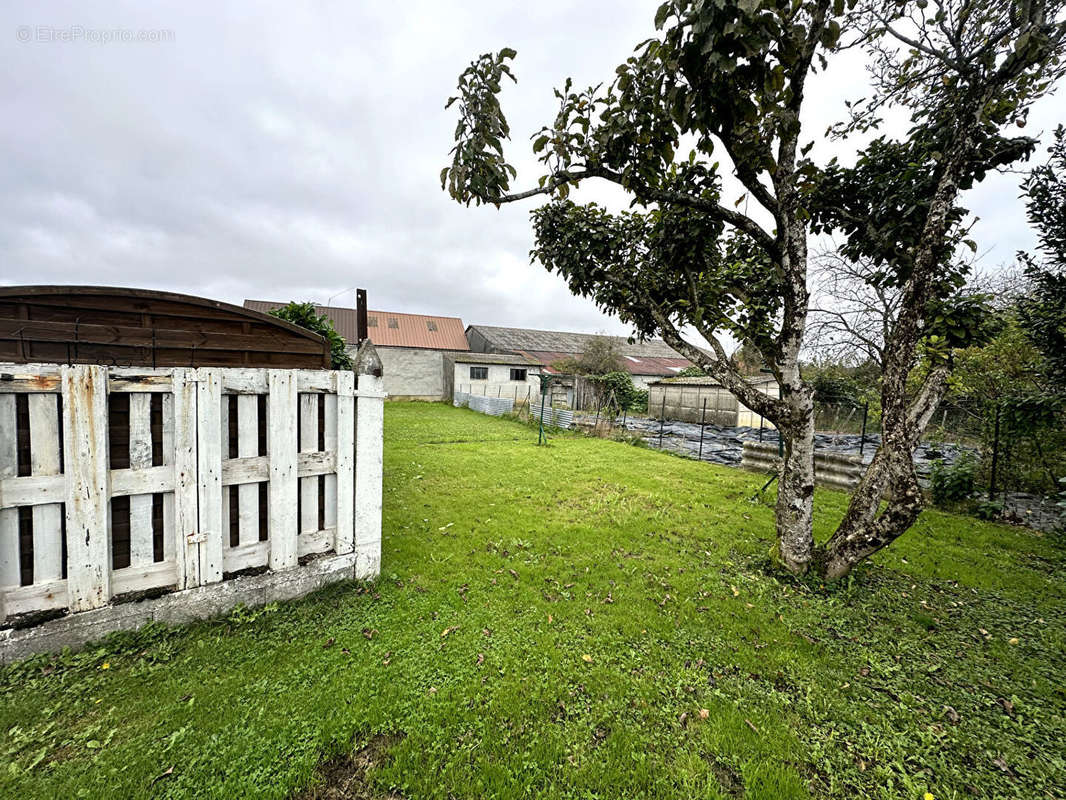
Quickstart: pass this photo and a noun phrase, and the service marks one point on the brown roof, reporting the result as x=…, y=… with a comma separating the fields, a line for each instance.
x=389, y=328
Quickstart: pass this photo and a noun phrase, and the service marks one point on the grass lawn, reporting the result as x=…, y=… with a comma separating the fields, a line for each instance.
x=587, y=619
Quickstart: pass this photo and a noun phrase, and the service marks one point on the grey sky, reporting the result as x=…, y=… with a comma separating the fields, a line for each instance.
x=288, y=150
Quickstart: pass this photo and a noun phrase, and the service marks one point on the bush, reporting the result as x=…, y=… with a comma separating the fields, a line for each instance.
x=953, y=483
x=303, y=314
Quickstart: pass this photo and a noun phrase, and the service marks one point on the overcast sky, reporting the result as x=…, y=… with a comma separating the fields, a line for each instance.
x=293, y=150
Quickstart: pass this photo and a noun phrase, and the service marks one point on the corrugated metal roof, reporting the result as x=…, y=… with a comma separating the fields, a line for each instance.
x=631, y=364
x=389, y=328
x=708, y=381
x=530, y=340
x=494, y=358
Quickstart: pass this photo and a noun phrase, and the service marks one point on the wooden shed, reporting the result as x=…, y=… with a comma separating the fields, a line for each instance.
x=143, y=328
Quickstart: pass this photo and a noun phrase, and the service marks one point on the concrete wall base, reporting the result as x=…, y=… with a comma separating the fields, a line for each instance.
x=201, y=602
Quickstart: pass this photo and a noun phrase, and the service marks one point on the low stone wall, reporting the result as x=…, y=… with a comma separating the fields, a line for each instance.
x=834, y=470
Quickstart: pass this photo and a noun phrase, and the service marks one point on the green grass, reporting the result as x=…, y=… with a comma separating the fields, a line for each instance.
x=551, y=621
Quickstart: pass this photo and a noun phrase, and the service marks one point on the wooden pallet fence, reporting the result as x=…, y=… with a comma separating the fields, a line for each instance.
x=126, y=483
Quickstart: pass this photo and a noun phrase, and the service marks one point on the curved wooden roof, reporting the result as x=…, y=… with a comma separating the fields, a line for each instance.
x=141, y=327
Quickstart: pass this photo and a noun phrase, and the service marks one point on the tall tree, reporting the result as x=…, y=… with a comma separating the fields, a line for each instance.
x=730, y=77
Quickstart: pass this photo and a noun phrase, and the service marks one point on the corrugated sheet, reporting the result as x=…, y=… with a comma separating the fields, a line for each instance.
x=389, y=328
x=632, y=364
x=494, y=358
x=709, y=381
x=530, y=340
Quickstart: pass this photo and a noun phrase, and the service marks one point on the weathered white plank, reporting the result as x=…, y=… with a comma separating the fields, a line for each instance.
x=345, y=456
x=142, y=549
x=186, y=525
x=248, y=446
x=254, y=469
x=224, y=446
x=244, y=381
x=168, y=462
x=246, y=556
x=138, y=579
x=282, y=408
x=209, y=472
x=85, y=458
x=32, y=490
x=37, y=597
x=26, y=378
x=315, y=380
x=309, y=444
x=316, y=542
x=369, y=425
x=140, y=382
x=9, y=517
x=44, y=460
x=329, y=482
x=149, y=480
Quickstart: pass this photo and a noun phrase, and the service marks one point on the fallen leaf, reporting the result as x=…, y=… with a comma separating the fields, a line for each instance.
x=586, y=657
x=480, y=658
x=447, y=631
x=749, y=723
x=432, y=689
x=704, y=713
x=952, y=715
x=513, y=574
x=329, y=642
x=736, y=591
x=368, y=633
x=683, y=719
x=1006, y=705
x=1013, y=640
x=163, y=774
x=549, y=619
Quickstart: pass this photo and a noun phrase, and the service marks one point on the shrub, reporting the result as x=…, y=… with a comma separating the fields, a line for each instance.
x=955, y=482
x=303, y=314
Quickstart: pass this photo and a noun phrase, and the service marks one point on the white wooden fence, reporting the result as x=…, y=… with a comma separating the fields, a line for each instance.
x=196, y=512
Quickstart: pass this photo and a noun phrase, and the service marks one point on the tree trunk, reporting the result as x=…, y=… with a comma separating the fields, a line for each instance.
x=794, y=513
x=863, y=531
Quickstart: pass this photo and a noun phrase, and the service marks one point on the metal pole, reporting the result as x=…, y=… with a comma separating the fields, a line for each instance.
x=703, y=420
x=662, y=420
x=995, y=458
x=543, y=391
x=762, y=421
x=862, y=441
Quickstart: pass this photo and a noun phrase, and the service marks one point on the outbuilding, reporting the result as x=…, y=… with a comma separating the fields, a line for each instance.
x=686, y=399
x=494, y=375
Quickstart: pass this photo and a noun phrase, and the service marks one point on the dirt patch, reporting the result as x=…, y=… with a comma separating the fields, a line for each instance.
x=728, y=778
x=346, y=777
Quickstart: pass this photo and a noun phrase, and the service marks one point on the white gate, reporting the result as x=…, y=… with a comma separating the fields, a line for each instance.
x=120, y=481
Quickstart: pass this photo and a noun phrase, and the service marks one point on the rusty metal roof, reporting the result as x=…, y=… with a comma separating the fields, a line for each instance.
x=389, y=328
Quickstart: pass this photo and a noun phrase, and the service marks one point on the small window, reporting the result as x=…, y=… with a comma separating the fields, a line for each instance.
x=371, y=322
x=393, y=322
x=479, y=373
x=518, y=374
x=431, y=324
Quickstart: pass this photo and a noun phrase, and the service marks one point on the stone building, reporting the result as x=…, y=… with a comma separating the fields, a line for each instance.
x=412, y=347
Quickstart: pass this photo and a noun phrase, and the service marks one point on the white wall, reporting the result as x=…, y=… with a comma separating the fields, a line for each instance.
x=499, y=383
x=413, y=374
